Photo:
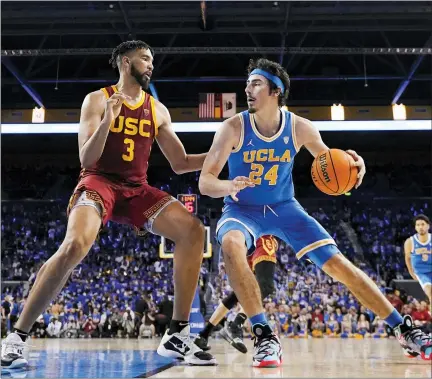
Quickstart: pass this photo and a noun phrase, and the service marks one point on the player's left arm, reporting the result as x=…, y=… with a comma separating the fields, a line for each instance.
x=171, y=145
x=308, y=135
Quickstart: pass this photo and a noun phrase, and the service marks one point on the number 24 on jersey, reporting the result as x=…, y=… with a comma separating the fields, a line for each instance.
x=257, y=170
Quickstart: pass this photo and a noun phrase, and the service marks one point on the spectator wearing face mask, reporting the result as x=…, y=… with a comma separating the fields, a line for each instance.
x=70, y=328
x=346, y=327
x=147, y=328
x=318, y=328
x=421, y=314
x=332, y=326
x=379, y=328
x=129, y=322
x=54, y=328
x=274, y=324
x=363, y=326
x=39, y=329
x=89, y=327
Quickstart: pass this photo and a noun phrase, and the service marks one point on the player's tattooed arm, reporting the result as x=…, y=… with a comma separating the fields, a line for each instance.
x=226, y=139
x=172, y=147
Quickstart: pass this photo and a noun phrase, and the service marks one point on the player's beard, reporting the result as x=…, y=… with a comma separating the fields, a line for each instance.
x=140, y=78
x=252, y=110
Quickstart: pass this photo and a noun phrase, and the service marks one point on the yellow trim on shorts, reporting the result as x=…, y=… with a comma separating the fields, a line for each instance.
x=218, y=226
x=262, y=258
x=315, y=245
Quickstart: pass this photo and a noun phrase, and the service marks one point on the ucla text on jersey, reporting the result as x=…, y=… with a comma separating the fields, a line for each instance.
x=267, y=161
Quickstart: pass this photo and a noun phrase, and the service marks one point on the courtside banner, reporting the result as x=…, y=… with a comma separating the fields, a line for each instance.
x=211, y=127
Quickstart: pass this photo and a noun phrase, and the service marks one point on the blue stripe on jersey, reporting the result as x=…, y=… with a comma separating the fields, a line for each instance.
x=268, y=161
x=421, y=256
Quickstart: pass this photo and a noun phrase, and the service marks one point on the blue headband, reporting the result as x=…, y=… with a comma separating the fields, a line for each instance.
x=272, y=78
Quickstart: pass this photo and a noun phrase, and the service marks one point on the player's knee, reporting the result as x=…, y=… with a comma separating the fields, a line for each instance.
x=195, y=229
x=191, y=233
x=342, y=270
x=74, y=249
x=232, y=244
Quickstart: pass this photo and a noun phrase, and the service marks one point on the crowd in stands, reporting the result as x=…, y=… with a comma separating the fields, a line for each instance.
x=308, y=304
x=57, y=181
x=123, y=289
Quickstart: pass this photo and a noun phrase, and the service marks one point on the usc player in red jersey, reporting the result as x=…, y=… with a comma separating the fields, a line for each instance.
x=117, y=128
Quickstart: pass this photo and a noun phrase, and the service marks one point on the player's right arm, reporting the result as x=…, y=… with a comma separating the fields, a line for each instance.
x=226, y=139
x=408, y=249
x=307, y=135
x=97, y=114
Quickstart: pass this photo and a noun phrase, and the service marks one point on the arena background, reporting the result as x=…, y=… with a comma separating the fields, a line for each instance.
x=369, y=57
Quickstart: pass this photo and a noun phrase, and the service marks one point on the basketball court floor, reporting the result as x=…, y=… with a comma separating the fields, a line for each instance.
x=303, y=358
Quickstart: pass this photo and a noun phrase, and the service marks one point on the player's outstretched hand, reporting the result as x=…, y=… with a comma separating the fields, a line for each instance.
x=359, y=162
x=114, y=104
x=239, y=183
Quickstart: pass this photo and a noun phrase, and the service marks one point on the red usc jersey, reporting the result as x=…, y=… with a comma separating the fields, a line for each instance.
x=127, y=149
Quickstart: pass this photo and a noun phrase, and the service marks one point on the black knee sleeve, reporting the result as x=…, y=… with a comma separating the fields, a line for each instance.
x=264, y=272
x=230, y=301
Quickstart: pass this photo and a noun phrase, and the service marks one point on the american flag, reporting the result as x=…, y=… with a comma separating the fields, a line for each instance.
x=206, y=105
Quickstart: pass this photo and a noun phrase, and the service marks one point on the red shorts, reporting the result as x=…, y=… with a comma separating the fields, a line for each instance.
x=136, y=206
x=266, y=248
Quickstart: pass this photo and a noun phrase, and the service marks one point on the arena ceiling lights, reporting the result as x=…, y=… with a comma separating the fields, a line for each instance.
x=211, y=127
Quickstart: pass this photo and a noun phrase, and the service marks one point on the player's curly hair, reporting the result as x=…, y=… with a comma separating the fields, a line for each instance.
x=422, y=217
x=276, y=69
x=124, y=48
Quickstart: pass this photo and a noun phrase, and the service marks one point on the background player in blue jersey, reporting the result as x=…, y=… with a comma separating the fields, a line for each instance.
x=259, y=145
x=418, y=254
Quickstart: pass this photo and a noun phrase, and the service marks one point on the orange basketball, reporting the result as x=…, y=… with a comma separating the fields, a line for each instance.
x=333, y=172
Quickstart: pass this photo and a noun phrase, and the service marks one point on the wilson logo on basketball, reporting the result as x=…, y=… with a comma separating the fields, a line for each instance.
x=323, y=165
x=334, y=172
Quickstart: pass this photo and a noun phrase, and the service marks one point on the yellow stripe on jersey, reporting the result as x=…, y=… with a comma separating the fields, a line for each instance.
x=293, y=131
x=264, y=138
x=240, y=143
x=153, y=110
x=105, y=93
x=137, y=105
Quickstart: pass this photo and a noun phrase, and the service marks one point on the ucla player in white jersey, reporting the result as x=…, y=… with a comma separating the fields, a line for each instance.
x=260, y=145
x=418, y=254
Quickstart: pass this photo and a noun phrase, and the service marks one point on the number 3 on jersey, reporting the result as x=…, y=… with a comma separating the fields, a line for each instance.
x=130, y=146
x=257, y=171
